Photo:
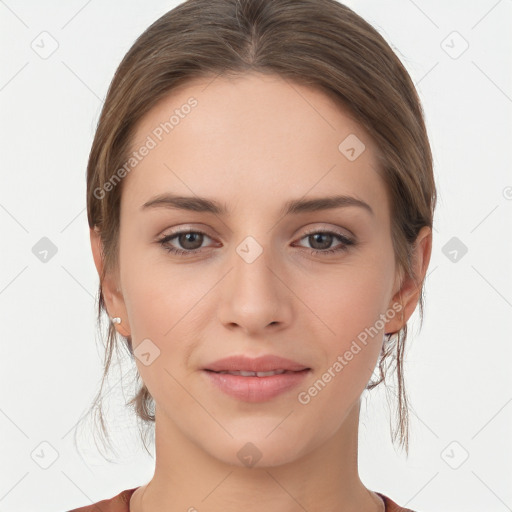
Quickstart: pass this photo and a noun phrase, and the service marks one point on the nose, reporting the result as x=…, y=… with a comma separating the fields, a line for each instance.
x=255, y=296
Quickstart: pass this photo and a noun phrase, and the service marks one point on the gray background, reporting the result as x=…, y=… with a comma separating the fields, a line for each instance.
x=458, y=365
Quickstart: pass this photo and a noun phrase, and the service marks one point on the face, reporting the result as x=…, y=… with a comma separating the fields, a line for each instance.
x=314, y=285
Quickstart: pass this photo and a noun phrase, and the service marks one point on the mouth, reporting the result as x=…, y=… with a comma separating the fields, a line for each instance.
x=244, y=373
x=255, y=365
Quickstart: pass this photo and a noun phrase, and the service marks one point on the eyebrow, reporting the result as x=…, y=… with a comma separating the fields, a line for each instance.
x=294, y=207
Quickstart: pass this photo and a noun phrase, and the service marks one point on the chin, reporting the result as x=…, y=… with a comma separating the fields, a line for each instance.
x=256, y=451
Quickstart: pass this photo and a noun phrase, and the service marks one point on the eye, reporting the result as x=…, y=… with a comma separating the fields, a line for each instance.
x=190, y=240
x=321, y=241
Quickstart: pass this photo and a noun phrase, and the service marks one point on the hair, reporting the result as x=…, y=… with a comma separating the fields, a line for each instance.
x=317, y=43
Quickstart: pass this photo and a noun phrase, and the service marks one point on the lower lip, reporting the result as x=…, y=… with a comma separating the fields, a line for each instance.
x=256, y=389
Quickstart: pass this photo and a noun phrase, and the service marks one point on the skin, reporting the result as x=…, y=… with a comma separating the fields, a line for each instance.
x=253, y=142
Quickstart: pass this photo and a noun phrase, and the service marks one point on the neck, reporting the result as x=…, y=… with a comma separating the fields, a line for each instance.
x=188, y=478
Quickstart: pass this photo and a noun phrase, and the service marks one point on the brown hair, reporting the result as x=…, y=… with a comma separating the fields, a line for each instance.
x=319, y=43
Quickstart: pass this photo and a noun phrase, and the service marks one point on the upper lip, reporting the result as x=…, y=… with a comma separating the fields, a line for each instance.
x=265, y=363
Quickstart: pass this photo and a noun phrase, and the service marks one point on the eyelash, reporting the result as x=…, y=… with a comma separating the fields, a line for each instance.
x=346, y=243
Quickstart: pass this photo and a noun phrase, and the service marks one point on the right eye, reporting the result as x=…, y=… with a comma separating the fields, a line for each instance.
x=190, y=240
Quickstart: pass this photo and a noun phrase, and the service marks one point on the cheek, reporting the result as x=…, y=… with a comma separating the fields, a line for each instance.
x=162, y=306
x=162, y=311
x=166, y=305
x=351, y=299
x=350, y=337
x=158, y=292
x=348, y=308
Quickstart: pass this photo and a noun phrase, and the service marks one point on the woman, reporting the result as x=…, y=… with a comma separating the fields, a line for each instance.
x=260, y=196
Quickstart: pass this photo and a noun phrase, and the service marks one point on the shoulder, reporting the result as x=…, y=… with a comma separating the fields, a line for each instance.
x=391, y=506
x=119, y=503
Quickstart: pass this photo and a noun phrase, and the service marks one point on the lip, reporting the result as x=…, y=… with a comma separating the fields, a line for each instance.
x=264, y=363
x=256, y=389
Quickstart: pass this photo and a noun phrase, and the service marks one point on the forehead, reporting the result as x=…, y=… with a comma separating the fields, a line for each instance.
x=252, y=135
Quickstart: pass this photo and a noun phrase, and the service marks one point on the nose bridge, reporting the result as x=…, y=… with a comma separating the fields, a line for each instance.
x=252, y=274
x=253, y=297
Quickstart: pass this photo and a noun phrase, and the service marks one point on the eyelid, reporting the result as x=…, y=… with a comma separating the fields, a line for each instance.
x=183, y=229
x=322, y=228
x=335, y=229
x=346, y=240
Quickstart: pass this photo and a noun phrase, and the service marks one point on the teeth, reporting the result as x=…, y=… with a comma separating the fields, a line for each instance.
x=254, y=374
x=244, y=374
x=267, y=374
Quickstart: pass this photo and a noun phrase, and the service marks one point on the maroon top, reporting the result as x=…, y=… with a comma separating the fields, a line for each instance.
x=121, y=503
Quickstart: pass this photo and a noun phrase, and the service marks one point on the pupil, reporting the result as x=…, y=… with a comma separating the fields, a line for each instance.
x=190, y=238
x=327, y=241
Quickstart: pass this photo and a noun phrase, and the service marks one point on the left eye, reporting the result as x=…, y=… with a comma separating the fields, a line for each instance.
x=324, y=239
x=191, y=242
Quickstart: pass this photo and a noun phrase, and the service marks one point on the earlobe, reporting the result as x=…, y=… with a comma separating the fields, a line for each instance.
x=408, y=294
x=114, y=301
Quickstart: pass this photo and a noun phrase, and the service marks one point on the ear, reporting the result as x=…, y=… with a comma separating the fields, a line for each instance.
x=408, y=293
x=114, y=300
